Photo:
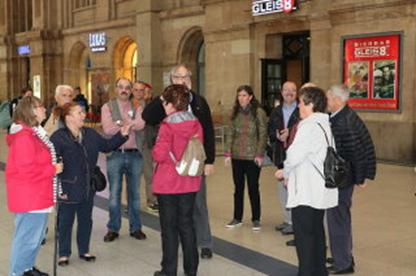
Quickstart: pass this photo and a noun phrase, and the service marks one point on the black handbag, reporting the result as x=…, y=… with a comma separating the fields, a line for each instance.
x=98, y=180
x=336, y=168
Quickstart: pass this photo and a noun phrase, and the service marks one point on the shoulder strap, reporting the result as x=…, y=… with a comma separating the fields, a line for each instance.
x=114, y=110
x=326, y=137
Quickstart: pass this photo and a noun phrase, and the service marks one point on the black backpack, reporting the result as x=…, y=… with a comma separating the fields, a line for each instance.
x=336, y=168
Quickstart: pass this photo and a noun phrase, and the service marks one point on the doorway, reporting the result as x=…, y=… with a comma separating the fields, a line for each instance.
x=293, y=65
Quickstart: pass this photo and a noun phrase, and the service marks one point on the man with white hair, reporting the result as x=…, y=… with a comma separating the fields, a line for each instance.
x=63, y=94
x=353, y=143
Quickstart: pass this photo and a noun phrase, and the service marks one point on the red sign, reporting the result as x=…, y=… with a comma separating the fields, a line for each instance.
x=371, y=71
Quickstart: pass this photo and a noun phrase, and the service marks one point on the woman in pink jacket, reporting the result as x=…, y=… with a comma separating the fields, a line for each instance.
x=30, y=170
x=176, y=193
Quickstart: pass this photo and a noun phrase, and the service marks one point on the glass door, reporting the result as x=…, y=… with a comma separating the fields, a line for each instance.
x=273, y=74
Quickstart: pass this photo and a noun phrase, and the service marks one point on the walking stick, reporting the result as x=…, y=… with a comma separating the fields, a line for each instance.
x=55, y=250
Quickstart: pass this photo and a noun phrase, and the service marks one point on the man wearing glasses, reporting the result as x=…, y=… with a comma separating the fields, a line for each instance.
x=154, y=113
x=126, y=160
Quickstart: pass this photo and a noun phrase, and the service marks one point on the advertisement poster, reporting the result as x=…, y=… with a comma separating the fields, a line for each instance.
x=371, y=71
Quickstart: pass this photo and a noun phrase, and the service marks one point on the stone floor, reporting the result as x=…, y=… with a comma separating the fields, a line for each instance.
x=383, y=224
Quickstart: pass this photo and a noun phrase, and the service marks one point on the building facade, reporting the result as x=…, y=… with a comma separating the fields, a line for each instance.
x=226, y=43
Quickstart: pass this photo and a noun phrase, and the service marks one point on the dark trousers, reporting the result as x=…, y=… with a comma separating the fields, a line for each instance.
x=241, y=170
x=308, y=225
x=176, y=222
x=339, y=229
x=66, y=217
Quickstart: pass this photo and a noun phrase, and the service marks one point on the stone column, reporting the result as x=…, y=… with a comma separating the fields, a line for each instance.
x=149, y=43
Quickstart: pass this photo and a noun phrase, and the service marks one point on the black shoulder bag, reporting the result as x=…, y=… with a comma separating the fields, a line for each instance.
x=336, y=168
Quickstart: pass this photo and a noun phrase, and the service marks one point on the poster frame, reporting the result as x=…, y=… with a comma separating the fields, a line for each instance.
x=399, y=84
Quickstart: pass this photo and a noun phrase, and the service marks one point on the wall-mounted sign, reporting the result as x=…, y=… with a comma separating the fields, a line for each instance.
x=98, y=42
x=37, y=86
x=371, y=71
x=23, y=50
x=262, y=7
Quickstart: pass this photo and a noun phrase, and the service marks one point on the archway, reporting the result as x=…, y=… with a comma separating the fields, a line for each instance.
x=125, y=59
x=78, y=72
x=191, y=51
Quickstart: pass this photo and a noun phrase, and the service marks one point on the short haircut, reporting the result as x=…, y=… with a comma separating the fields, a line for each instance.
x=124, y=78
x=340, y=91
x=177, y=95
x=25, y=89
x=24, y=111
x=314, y=95
x=62, y=87
x=63, y=111
x=175, y=68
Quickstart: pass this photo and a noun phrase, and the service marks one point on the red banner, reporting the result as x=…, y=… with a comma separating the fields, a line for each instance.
x=371, y=71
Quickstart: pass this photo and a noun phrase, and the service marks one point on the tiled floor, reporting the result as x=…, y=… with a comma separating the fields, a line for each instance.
x=383, y=223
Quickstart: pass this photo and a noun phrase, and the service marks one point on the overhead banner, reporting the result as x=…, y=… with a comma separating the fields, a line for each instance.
x=371, y=71
x=263, y=7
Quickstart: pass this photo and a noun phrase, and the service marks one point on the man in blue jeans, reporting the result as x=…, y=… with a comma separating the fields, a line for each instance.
x=126, y=160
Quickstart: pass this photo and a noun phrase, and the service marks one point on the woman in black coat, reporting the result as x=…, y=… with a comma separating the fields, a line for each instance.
x=79, y=147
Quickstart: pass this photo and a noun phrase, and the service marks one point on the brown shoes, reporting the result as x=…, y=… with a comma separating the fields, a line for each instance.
x=138, y=234
x=110, y=236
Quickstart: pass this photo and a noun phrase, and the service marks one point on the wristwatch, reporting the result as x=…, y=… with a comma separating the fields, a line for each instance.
x=118, y=122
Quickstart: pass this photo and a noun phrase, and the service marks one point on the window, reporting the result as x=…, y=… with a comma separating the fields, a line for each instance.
x=84, y=3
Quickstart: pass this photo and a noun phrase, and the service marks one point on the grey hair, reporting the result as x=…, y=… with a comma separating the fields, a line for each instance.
x=340, y=91
x=175, y=69
x=62, y=87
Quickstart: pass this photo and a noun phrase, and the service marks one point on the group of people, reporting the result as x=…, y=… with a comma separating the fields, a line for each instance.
x=52, y=160
x=299, y=130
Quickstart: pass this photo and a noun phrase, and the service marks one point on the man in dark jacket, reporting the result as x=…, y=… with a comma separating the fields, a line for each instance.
x=154, y=113
x=282, y=119
x=353, y=142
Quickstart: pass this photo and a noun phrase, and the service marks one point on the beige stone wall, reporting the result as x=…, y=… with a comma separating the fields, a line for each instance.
x=167, y=32
x=393, y=133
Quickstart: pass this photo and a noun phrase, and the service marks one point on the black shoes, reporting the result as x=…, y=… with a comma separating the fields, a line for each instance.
x=159, y=273
x=291, y=243
x=63, y=261
x=154, y=207
x=335, y=271
x=110, y=236
x=35, y=272
x=281, y=226
x=138, y=234
x=87, y=257
x=206, y=253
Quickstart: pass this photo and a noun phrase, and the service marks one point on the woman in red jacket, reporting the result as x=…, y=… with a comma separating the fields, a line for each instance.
x=176, y=193
x=30, y=170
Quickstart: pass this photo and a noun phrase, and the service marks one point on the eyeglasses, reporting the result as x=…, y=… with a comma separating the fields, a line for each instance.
x=124, y=87
x=181, y=77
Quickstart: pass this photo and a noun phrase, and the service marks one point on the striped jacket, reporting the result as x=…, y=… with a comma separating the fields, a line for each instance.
x=354, y=143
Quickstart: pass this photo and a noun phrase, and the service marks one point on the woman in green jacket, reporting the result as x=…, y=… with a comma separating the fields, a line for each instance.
x=246, y=142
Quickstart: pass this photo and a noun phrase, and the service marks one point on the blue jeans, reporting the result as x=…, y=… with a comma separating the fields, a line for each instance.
x=67, y=212
x=28, y=234
x=129, y=164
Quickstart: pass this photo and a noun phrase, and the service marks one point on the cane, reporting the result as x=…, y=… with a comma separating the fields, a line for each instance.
x=55, y=250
